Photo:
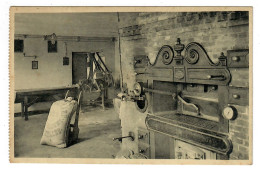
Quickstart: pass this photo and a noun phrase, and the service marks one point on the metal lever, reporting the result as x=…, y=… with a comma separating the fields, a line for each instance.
x=140, y=73
x=216, y=77
x=131, y=136
x=160, y=92
x=189, y=104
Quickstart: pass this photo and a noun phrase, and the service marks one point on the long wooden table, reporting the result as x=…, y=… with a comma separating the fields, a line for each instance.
x=28, y=97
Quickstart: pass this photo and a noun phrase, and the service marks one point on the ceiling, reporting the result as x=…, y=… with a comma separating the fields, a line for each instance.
x=67, y=24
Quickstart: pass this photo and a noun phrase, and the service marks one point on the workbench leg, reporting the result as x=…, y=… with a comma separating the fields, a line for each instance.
x=26, y=108
x=22, y=109
x=103, y=99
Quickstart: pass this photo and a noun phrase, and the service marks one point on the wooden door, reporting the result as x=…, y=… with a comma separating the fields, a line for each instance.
x=79, y=66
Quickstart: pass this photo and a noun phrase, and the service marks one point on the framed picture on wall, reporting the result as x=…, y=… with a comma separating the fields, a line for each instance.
x=66, y=60
x=34, y=64
x=18, y=45
x=52, y=47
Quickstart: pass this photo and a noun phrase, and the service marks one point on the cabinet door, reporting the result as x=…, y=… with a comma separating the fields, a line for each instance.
x=162, y=146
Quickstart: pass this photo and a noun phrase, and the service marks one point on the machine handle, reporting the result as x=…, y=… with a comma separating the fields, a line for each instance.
x=216, y=77
x=131, y=136
x=160, y=92
x=120, y=138
x=189, y=104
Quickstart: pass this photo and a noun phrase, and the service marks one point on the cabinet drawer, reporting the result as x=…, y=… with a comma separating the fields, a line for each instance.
x=239, y=96
x=238, y=58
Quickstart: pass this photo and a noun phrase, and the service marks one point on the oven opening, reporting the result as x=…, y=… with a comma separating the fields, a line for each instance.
x=195, y=105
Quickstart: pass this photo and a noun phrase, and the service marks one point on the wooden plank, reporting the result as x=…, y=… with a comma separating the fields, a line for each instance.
x=49, y=88
x=26, y=107
x=161, y=74
x=41, y=91
x=22, y=109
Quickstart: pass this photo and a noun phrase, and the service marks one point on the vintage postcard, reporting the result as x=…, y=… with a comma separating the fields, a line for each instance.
x=136, y=85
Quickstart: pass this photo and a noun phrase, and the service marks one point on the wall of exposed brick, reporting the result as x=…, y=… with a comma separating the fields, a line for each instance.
x=238, y=130
x=146, y=33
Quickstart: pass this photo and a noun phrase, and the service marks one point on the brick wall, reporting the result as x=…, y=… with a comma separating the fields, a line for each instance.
x=238, y=130
x=217, y=32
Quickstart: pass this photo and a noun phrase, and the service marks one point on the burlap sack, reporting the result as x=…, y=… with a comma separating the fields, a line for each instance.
x=56, y=130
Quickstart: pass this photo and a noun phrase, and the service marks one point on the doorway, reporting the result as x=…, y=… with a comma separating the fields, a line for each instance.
x=80, y=66
x=84, y=66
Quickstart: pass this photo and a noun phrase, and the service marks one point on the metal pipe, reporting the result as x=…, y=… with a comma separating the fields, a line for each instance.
x=159, y=92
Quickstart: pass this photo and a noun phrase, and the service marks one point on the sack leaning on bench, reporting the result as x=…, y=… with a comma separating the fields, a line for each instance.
x=57, y=128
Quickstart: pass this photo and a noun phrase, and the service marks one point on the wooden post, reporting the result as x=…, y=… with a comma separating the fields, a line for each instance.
x=103, y=99
x=22, y=109
x=26, y=107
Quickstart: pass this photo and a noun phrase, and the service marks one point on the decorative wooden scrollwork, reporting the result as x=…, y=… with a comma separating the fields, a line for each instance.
x=194, y=51
x=166, y=54
x=192, y=56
